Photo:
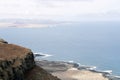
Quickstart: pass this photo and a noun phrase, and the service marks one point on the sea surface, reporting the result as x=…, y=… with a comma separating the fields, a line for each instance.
x=87, y=43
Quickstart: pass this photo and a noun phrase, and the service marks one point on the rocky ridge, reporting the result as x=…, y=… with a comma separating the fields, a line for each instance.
x=17, y=63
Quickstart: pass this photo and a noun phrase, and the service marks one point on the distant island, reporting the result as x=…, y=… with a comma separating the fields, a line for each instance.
x=22, y=25
x=29, y=23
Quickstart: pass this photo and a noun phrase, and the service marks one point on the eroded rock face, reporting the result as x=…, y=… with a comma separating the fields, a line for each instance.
x=15, y=61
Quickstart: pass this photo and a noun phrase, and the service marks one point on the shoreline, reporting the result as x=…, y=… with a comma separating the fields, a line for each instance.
x=74, y=71
x=66, y=65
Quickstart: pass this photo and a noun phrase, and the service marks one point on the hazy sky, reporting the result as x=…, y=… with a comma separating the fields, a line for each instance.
x=61, y=9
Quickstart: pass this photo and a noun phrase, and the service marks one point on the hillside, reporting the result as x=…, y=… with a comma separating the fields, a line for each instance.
x=17, y=63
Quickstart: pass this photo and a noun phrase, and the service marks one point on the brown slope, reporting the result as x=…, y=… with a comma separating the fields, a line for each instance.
x=17, y=63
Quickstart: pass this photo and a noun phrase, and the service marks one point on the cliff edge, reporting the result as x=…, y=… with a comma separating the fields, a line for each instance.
x=17, y=63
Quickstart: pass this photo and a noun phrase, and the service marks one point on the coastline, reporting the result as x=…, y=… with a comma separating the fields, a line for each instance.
x=75, y=74
x=72, y=71
x=61, y=69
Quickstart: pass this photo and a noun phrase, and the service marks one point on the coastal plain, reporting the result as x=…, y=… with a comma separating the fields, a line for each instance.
x=69, y=71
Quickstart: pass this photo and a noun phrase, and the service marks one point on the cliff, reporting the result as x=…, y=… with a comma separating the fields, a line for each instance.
x=17, y=63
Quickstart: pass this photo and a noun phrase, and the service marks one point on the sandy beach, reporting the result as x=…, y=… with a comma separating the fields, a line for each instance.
x=75, y=74
x=69, y=71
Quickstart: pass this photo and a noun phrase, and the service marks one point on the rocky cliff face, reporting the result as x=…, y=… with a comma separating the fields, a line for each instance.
x=14, y=61
x=17, y=63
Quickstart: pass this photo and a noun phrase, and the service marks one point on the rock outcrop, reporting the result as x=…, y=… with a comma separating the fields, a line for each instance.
x=14, y=61
x=17, y=63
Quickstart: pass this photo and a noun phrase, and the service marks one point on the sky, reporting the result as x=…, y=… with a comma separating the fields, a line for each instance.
x=66, y=10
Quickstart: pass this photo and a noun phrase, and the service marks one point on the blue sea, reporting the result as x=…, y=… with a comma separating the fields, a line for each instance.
x=87, y=43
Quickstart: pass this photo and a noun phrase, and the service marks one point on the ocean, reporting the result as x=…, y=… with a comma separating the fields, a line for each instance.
x=87, y=43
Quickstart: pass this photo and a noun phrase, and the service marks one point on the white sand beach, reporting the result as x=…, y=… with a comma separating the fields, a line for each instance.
x=75, y=74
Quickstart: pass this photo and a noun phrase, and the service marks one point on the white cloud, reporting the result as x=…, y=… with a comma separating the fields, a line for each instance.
x=60, y=9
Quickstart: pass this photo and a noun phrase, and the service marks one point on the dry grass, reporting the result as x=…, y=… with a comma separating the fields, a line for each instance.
x=11, y=51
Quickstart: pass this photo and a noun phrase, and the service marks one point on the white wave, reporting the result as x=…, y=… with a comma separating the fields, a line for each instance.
x=43, y=55
x=71, y=61
x=108, y=71
x=88, y=67
x=92, y=68
x=117, y=77
x=79, y=64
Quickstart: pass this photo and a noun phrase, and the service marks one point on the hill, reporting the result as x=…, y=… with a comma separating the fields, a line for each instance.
x=17, y=63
